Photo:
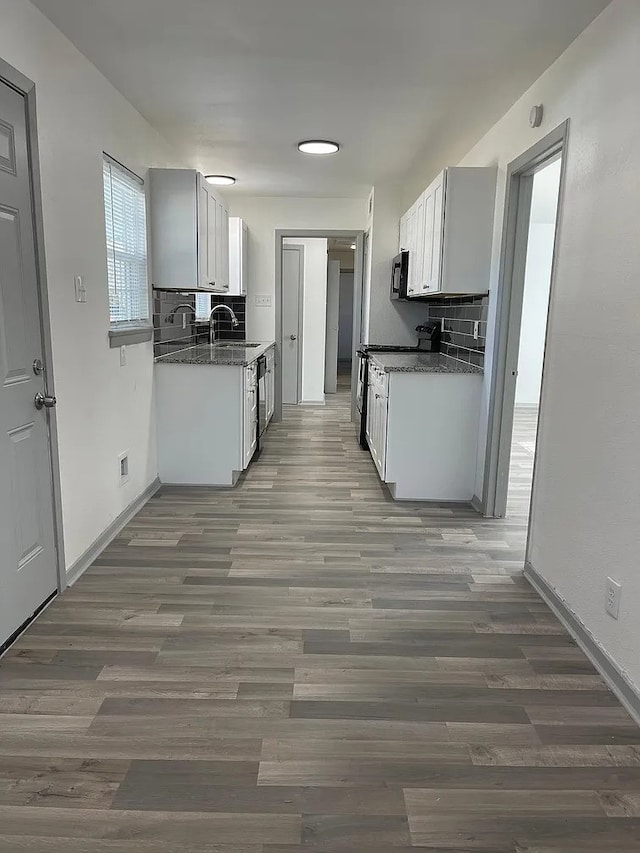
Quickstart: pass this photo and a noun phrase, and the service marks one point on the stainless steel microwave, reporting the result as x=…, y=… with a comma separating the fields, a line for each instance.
x=400, y=275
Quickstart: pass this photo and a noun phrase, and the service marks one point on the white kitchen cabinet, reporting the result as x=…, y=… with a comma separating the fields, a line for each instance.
x=449, y=233
x=238, y=256
x=207, y=420
x=250, y=431
x=270, y=384
x=376, y=428
x=422, y=431
x=189, y=232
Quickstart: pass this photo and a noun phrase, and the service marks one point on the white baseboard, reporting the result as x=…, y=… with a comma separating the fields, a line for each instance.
x=616, y=678
x=97, y=547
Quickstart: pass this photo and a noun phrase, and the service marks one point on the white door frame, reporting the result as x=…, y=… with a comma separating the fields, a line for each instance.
x=13, y=78
x=357, y=235
x=299, y=248
x=509, y=312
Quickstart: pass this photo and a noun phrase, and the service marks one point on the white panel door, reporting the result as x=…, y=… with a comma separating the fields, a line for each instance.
x=292, y=272
x=28, y=570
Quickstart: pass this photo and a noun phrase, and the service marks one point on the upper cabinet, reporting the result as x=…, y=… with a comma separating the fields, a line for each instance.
x=449, y=232
x=238, y=256
x=189, y=232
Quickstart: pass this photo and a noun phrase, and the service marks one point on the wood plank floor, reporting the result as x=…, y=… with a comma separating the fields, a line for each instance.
x=301, y=664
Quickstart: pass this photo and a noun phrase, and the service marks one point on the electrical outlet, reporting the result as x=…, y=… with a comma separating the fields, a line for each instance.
x=612, y=598
x=476, y=329
x=80, y=289
x=123, y=468
x=263, y=301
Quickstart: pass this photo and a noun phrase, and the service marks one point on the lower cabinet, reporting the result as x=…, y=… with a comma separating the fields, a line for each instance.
x=422, y=431
x=207, y=422
x=250, y=432
x=270, y=384
x=377, y=417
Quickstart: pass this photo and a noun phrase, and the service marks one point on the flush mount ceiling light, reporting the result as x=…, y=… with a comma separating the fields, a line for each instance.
x=220, y=180
x=318, y=146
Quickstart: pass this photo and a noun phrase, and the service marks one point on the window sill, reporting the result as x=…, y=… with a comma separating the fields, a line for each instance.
x=127, y=335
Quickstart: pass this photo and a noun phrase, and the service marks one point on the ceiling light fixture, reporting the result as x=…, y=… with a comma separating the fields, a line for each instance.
x=220, y=180
x=318, y=146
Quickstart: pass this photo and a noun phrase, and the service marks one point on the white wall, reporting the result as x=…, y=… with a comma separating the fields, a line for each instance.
x=537, y=283
x=345, y=320
x=314, y=315
x=586, y=502
x=263, y=216
x=103, y=409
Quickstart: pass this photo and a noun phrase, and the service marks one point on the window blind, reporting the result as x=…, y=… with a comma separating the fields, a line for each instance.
x=126, y=232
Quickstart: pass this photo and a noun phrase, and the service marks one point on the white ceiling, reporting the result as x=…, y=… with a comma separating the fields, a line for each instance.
x=236, y=83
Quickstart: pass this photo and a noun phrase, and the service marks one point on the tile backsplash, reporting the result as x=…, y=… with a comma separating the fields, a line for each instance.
x=177, y=327
x=460, y=315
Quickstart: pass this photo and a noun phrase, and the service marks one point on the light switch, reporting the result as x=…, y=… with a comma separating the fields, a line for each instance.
x=123, y=356
x=80, y=290
x=263, y=301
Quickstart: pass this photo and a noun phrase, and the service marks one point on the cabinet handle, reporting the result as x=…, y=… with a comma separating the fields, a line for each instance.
x=212, y=284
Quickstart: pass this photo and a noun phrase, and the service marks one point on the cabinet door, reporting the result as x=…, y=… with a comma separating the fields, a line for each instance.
x=433, y=227
x=203, y=236
x=402, y=242
x=244, y=258
x=418, y=250
x=383, y=403
x=411, y=246
x=270, y=385
x=370, y=413
x=212, y=243
x=250, y=415
x=222, y=245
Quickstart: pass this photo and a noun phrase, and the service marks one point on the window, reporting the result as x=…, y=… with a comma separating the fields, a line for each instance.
x=126, y=232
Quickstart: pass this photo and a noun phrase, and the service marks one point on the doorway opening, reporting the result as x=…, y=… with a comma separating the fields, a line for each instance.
x=318, y=316
x=533, y=332
x=530, y=239
x=339, y=336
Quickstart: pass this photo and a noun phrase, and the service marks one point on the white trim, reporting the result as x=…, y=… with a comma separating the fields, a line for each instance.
x=617, y=679
x=97, y=547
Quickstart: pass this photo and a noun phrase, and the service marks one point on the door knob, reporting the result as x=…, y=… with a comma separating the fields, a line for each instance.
x=44, y=401
x=293, y=337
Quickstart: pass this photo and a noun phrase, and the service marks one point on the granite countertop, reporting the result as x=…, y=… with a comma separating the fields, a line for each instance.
x=421, y=362
x=218, y=355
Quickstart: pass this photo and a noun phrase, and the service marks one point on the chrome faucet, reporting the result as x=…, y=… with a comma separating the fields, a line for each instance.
x=234, y=320
x=172, y=316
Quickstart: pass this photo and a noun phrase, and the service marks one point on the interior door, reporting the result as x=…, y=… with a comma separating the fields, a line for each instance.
x=333, y=321
x=292, y=278
x=28, y=559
